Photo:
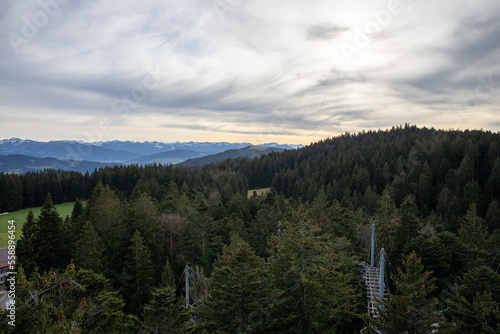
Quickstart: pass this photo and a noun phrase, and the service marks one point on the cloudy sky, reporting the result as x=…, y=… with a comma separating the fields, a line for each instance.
x=289, y=71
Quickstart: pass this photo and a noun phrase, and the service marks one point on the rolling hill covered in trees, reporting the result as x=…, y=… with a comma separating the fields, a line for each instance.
x=247, y=152
x=19, y=164
x=114, y=266
x=22, y=156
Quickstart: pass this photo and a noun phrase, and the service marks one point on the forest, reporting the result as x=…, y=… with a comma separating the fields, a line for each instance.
x=283, y=262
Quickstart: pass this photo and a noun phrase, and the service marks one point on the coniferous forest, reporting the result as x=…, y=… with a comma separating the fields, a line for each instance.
x=287, y=261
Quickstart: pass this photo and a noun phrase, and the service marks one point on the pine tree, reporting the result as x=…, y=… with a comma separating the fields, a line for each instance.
x=424, y=191
x=75, y=301
x=473, y=303
x=105, y=211
x=316, y=278
x=410, y=310
x=473, y=234
x=43, y=242
x=138, y=264
x=261, y=228
x=493, y=216
x=77, y=221
x=88, y=253
x=144, y=218
x=78, y=211
x=26, y=245
x=201, y=241
x=50, y=238
x=407, y=226
x=386, y=221
x=164, y=314
x=491, y=186
x=171, y=227
x=443, y=253
x=167, y=276
x=237, y=292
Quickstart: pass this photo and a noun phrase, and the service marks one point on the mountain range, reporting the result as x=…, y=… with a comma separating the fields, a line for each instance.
x=18, y=164
x=19, y=155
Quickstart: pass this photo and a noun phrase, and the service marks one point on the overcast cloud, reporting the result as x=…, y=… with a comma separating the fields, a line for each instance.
x=245, y=70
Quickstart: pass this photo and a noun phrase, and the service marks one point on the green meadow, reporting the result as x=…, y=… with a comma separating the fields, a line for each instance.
x=19, y=217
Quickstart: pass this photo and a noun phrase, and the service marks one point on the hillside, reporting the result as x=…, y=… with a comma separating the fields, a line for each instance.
x=442, y=171
x=17, y=163
x=247, y=152
x=66, y=150
x=171, y=157
x=120, y=151
x=432, y=196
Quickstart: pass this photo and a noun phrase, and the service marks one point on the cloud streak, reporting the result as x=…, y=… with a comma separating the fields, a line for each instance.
x=245, y=70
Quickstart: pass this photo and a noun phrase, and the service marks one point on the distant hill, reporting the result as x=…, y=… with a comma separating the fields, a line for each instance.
x=18, y=163
x=172, y=157
x=247, y=152
x=64, y=150
x=120, y=151
x=283, y=146
x=441, y=171
x=149, y=148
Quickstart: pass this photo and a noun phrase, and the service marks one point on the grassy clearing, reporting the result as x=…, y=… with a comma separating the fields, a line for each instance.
x=64, y=210
x=258, y=191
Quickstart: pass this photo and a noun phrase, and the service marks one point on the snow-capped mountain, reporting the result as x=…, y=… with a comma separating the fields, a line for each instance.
x=115, y=151
x=118, y=152
x=148, y=148
x=63, y=149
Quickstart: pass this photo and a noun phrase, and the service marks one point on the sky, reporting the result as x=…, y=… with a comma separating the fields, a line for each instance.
x=254, y=71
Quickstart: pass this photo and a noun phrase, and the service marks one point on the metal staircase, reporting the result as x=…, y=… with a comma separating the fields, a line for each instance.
x=374, y=279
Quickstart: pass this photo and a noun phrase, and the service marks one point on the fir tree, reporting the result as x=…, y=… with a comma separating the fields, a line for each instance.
x=75, y=301
x=493, y=216
x=473, y=303
x=105, y=211
x=50, y=238
x=78, y=211
x=88, y=253
x=77, y=221
x=144, y=218
x=164, y=314
x=315, y=277
x=201, y=241
x=237, y=292
x=138, y=264
x=43, y=242
x=407, y=226
x=473, y=234
x=410, y=310
x=167, y=276
x=27, y=246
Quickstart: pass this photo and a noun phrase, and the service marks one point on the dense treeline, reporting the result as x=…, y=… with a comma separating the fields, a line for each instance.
x=30, y=189
x=116, y=263
x=442, y=171
x=276, y=263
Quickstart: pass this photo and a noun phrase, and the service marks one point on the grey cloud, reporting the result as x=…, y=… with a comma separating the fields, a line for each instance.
x=476, y=38
x=242, y=69
x=222, y=128
x=324, y=31
x=341, y=78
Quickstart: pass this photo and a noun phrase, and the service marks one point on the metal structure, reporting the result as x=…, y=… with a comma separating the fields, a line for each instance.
x=186, y=273
x=374, y=278
x=372, y=248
